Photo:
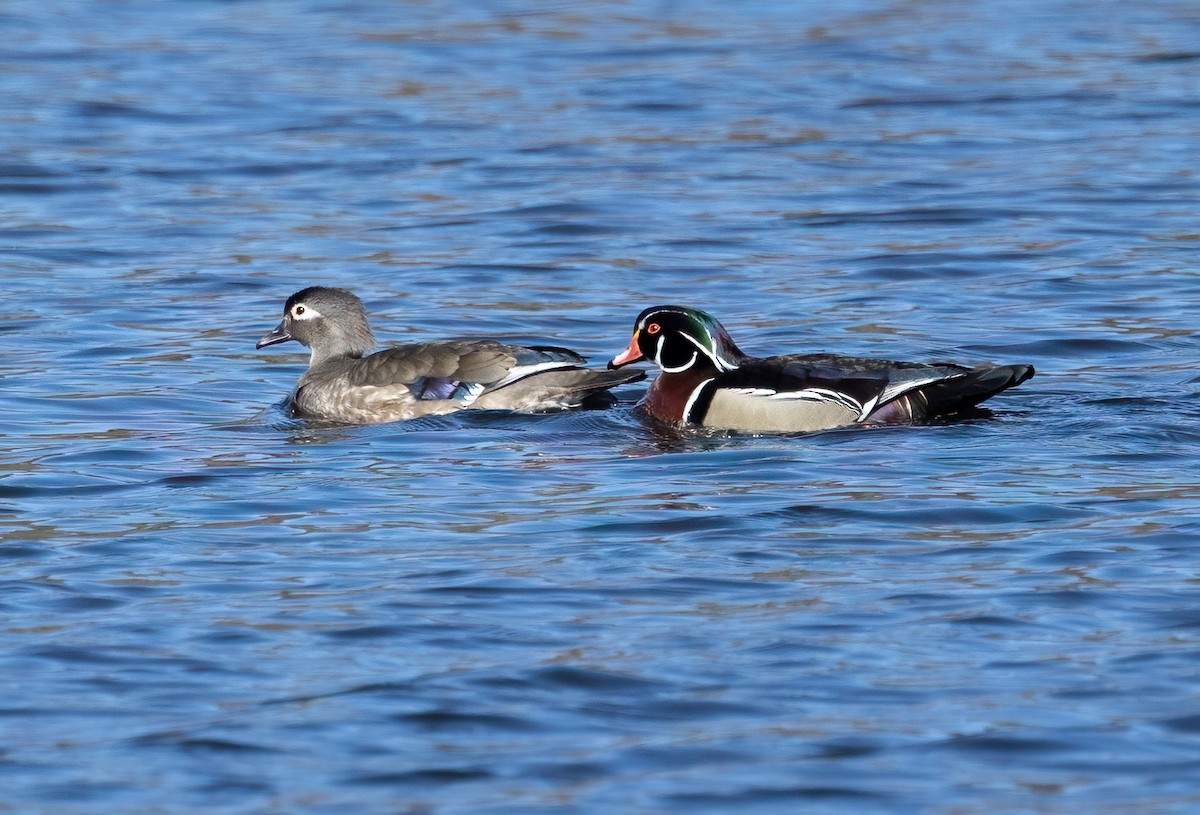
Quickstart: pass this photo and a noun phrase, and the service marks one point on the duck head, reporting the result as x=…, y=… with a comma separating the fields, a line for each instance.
x=678, y=339
x=329, y=322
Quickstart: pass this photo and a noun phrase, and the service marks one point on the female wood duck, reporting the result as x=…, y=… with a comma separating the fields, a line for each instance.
x=707, y=381
x=345, y=382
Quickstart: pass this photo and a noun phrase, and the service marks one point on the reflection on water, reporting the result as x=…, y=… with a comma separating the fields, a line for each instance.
x=212, y=605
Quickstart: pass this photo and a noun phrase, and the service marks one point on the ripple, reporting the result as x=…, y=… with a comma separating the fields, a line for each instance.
x=453, y=720
x=773, y=795
x=104, y=110
x=200, y=745
x=212, y=603
x=424, y=777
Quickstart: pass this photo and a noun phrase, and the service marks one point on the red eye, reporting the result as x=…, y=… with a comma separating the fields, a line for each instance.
x=653, y=328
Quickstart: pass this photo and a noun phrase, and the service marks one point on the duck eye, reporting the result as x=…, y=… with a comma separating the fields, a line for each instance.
x=298, y=310
x=653, y=328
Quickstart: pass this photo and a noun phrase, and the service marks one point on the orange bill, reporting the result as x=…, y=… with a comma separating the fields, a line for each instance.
x=630, y=354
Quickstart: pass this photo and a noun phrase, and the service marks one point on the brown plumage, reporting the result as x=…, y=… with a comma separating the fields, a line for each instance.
x=345, y=382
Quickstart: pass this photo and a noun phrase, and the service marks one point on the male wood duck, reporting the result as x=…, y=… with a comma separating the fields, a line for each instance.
x=345, y=382
x=707, y=381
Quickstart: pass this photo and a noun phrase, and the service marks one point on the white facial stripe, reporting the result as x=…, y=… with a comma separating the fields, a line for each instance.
x=309, y=312
x=658, y=359
x=708, y=353
x=680, y=368
x=655, y=316
x=721, y=364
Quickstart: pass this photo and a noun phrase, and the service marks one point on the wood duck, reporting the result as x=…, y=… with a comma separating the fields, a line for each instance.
x=347, y=383
x=707, y=381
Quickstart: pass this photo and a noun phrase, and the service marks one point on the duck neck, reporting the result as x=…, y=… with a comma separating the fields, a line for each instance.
x=727, y=352
x=352, y=344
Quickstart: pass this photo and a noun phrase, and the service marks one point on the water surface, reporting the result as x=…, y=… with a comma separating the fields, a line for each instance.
x=209, y=605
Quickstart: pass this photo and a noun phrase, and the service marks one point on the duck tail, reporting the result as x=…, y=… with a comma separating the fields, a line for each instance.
x=595, y=389
x=964, y=392
x=560, y=389
x=954, y=394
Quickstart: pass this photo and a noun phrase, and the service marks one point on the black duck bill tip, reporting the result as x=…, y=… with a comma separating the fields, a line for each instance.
x=630, y=354
x=277, y=335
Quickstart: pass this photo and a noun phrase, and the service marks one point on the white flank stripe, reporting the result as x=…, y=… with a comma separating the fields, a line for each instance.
x=898, y=388
x=835, y=396
x=522, y=371
x=687, y=408
x=753, y=391
x=806, y=395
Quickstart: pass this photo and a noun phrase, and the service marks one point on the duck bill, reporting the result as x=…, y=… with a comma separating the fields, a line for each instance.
x=630, y=354
x=277, y=335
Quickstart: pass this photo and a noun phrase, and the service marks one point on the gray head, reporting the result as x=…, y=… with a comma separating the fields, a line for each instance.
x=330, y=322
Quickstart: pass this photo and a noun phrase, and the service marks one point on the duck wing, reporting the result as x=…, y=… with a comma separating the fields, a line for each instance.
x=456, y=369
x=806, y=392
x=486, y=374
x=871, y=383
x=547, y=377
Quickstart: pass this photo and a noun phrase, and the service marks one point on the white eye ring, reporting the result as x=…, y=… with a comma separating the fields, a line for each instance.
x=303, y=312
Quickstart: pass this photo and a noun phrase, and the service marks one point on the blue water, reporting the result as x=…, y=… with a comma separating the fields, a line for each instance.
x=209, y=606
